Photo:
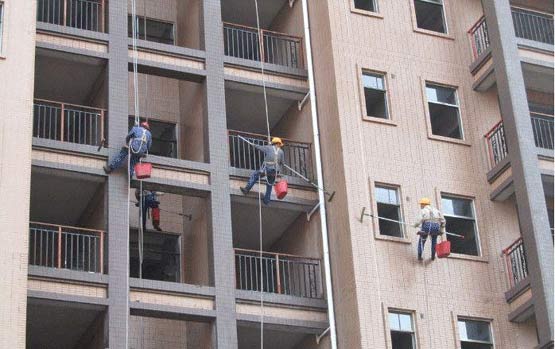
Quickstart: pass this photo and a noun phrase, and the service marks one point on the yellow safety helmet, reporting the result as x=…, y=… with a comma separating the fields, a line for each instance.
x=424, y=201
x=277, y=140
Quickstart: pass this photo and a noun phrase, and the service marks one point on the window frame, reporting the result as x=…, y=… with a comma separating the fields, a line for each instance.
x=460, y=97
x=413, y=321
x=397, y=189
x=141, y=20
x=387, y=98
x=374, y=209
x=466, y=318
x=2, y=25
x=375, y=13
x=445, y=7
x=457, y=106
x=472, y=200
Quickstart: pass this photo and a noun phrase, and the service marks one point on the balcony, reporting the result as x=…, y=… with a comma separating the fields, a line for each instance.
x=533, y=25
x=268, y=46
x=278, y=273
x=79, y=14
x=515, y=261
x=298, y=155
x=68, y=122
x=65, y=247
x=542, y=126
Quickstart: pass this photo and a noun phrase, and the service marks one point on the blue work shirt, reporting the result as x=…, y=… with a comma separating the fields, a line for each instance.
x=141, y=140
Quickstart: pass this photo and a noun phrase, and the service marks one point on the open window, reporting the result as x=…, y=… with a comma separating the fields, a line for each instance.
x=430, y=15
x=164, y=137
x=460, y=219
x=366, y=5
x=475, y=334
x=402, y=330
x=389, y=207
x=443, y=105
x=375, y=95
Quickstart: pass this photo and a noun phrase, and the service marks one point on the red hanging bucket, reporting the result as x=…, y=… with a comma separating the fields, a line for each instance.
x=143, y=170
x=443, y=249
x=281, y=189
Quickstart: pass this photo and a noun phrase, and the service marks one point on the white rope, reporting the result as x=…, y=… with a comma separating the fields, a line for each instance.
x=261, y=50
x=135, y=60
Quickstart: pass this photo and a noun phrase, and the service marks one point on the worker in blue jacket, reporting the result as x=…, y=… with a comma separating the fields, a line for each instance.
x=140, y=141
x=150, y=201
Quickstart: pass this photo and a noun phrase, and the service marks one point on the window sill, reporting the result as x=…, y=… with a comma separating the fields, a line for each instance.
x=367, y=13
x=448, y=140
x=402, y=240
x=433, y=33
x=2, y=56
x=379, y=120
x=469, y=257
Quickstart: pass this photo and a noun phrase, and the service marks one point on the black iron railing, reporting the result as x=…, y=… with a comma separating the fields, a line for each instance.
x=497, y=147
x=515, y=260
x=81, y=14
x=278, y=273
x=533, y=25
x=297, y=155
x=542, y=125
x=479, y=37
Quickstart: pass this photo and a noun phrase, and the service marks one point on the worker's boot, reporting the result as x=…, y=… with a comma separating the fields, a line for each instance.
x=107, y=169
x=156, y=225
x=244, y=191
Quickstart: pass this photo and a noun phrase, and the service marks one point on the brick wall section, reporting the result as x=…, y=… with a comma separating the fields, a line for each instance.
x=17, y=65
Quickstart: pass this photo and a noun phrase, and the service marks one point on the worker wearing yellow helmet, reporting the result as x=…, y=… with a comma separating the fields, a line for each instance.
x=271, y=167
x=431, y=222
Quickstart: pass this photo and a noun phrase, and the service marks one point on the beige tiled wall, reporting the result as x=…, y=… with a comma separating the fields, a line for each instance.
x=385, y=273
x=153, y=333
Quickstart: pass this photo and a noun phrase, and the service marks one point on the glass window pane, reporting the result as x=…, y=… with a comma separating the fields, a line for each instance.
x=373, y=81
x=367, y=5
x=387, y=195
x=466, y=228
x=388, y=227
x=429, y=15
x=394, y=322
x=441, y=94
x=445, y=120
x=1, y=23
x=406, y=322
x=474, y=330
x=376, y=103
x=402, y=340
x=457, y=207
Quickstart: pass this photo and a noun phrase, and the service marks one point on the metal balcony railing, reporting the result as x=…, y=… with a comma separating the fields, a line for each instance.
x=81, y=14
x=298, y=155
x=63, y=247
x=515, y=260
x=68, y=122
x=276, y=48
x=542, y=125
x=479, y=37
x=533, y=25
x=495, y=141
x=278, y=273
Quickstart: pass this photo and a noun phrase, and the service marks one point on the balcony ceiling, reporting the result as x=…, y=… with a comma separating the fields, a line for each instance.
x=249, y=337
x=538, y=78
x=64, y=77
x=57, y=325
x=243, y=11
x=61, y=197
x=245, y=227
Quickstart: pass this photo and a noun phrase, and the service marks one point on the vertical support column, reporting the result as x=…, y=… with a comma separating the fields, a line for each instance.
x=524, y=163
x=118, y=205
x=222, y=242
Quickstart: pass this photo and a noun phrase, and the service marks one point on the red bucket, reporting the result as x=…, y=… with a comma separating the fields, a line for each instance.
x=143, y=170
x=281, y=189
x=443, y=249
x=156, y=214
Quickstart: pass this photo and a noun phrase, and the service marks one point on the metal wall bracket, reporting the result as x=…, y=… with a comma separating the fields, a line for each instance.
x=319, y=337
x=291, y=3
x=309, y=214
x=302, y=102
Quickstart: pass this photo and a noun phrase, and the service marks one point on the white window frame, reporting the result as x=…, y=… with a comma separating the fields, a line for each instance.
x=474, y=218
x=457, y=105
x=443, y=16
x=374, y=2
x=2, y=11
x=397, y=190
x=464, y=319
x=412, y=324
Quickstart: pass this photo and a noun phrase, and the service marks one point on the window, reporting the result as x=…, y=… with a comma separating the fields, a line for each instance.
x=161, y=257
x=443, y=105
x=402, y=330
x=1, y=24
x=375, y=95
x=459, y=214
x=475, y=334
x=366, y=5
x=164, y=139
x=154, y=30
x=429, y=15
x=389, y=206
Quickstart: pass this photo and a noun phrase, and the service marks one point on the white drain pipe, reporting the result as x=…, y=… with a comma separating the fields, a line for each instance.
x=320, y=179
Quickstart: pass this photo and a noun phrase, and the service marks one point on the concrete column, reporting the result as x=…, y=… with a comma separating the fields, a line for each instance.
x=118, y=187
x=524, y=163
x=222, y=239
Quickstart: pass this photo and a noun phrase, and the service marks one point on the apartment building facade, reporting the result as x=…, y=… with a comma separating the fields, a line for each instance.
x=410, y=95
